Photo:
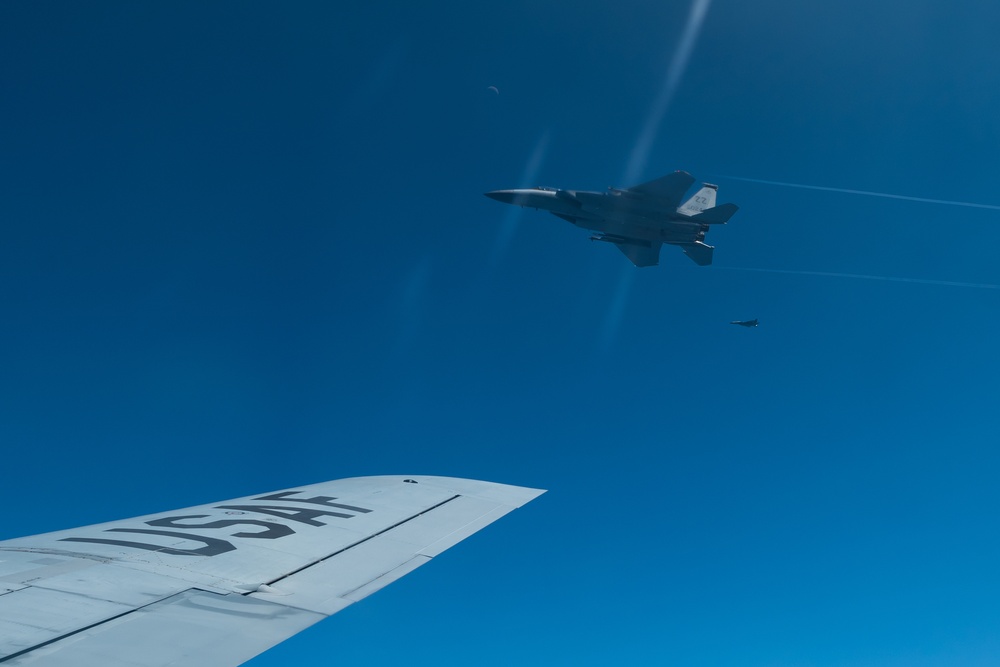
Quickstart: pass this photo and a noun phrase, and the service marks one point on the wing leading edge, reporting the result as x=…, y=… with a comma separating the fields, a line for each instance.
x=218, y=584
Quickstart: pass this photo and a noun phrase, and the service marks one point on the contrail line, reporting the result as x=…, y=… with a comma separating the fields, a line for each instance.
x=886, y=195
x=862, y=276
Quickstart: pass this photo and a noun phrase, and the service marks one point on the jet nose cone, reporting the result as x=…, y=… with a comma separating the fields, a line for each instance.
x=506, y=196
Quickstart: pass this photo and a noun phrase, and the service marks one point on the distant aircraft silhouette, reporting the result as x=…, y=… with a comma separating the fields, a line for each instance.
x=745, y=323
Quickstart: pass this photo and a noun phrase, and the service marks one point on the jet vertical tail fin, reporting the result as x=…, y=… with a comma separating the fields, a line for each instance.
x=703, y=199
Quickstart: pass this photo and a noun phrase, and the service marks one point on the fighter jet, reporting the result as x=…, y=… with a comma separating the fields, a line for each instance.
x=745, y=323
x=638, y=220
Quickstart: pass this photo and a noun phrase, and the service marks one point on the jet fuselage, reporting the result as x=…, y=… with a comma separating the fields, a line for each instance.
x=615, y=213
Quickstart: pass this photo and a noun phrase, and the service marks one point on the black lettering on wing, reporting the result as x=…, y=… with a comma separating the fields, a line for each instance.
x=213, y=546
x=273, y=532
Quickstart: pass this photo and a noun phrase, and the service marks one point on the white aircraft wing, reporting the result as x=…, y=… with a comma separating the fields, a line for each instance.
x=217, y=584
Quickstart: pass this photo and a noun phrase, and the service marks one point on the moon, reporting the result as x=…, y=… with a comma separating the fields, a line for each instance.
x=494, y=89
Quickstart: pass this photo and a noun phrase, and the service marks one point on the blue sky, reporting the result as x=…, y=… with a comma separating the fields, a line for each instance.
x=244, y=247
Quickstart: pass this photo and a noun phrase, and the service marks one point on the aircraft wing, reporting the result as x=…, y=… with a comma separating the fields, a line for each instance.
x=641, y=255
x=670, y=188
x=215, y=585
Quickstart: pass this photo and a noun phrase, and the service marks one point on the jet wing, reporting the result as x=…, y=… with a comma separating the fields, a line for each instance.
x=670, y=188
x=700, y=253
x=217, y=584
x=641, y=255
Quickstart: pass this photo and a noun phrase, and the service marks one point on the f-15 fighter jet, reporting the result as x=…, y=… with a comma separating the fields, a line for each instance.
x=638, y=220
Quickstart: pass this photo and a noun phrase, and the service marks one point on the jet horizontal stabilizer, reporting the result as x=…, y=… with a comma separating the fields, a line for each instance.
x=717, y=215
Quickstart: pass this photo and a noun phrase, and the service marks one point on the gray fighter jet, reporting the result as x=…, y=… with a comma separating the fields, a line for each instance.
x=637, y=220
x=745, y=323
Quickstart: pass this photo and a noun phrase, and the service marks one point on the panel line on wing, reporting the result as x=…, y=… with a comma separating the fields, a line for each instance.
x=58, y=552
x=75, y=631
x=355, y=544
